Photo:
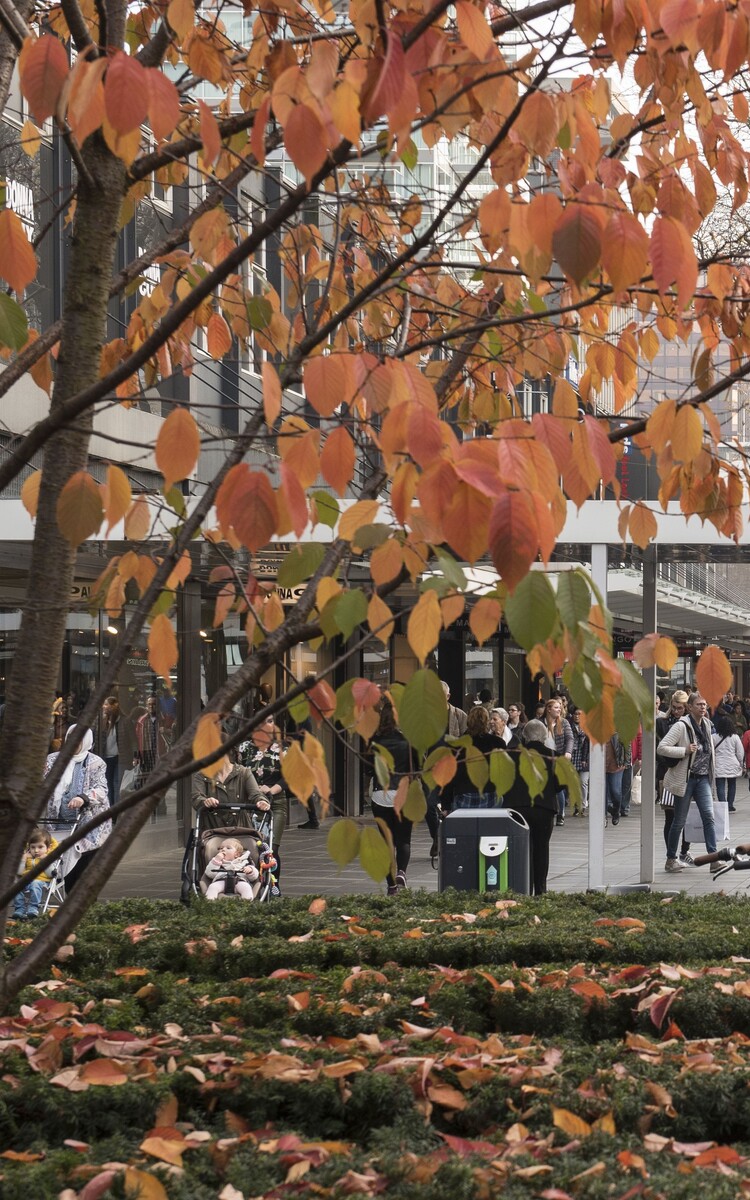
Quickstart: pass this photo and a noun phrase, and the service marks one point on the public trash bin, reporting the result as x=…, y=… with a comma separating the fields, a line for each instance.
x=485, y=850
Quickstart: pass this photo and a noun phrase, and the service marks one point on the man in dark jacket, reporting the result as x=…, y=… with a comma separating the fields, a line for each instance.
x=538, y=813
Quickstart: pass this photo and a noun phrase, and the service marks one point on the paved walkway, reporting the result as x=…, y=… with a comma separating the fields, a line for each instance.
x=307, y=868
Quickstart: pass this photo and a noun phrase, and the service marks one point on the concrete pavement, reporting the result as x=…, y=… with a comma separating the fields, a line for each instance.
x=152, y=872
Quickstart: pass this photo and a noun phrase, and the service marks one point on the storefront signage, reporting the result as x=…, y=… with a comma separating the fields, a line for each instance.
x=150, y=277
x=291, y=595
x=81, y=591
x=19, y=198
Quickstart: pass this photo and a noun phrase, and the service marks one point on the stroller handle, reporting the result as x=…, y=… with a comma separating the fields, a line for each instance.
x=237, y=806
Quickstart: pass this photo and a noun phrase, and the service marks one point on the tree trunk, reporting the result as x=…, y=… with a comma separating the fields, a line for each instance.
x=25, y=734
x=9, y=50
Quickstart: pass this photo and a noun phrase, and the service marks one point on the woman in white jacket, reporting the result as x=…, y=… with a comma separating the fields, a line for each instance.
x=730, y=760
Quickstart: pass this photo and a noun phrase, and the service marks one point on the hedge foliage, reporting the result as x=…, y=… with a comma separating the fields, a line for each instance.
x=437, y=1047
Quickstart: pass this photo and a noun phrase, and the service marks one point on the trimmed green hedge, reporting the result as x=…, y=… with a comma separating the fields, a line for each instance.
x=432, y=1047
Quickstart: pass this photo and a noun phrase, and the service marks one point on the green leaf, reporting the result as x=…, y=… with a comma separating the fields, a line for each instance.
x=415, y=805
x=568, y=777
x=176, y=500
x=14, y=328
x=327, y=506
x=533, y=772
x=383, y=764
x=502, y=771
x=584, y=682
x=328, y=619
x=627, y=717
x=259, y=312
x=299, y=709
x=564, y=137
x=162, y=604
x=476, y=768
x=531, y=612
x=410, y=155
x=370, y=536
x=351, y=611
x=300, y=563
x=343, y=841
x=638, y=692
x=573, y=598
x=344, y=713
x=423, y=711
x=375, y=854
x=451, y=570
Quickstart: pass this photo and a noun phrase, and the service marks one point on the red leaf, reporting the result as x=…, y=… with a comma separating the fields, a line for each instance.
x=338, y=459
x=322, y=701
x=306, y=142
x=163, y=104
x=43, y=66
x=210, y=135
x=295, y=499
x=577, y=242
x=390, y=85
x=253, y=511
x=126, y=93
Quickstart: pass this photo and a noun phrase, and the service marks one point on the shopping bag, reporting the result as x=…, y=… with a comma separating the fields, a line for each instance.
x=635, y=790
x=694, y=824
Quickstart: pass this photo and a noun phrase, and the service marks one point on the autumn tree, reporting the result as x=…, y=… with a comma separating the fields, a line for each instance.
x=408, y=316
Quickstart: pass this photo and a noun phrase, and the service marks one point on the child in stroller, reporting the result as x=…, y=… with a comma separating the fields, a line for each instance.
x=246, y=826
x=26, y=903
x=231, y=871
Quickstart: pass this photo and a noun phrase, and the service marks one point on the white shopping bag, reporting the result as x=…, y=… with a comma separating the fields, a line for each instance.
x=694, y=824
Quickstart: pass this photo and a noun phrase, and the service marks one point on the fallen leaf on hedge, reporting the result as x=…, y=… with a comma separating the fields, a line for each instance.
x=21, y=1156
x=99, y=1185
x=166, y=1113
x=236, y=942
x=143, y=1185
x=353, y=1182
x=137, y=933
x=298, y=1002
x=571, y=1124
x=64, y=953
x=297, y=1170
x=531, y=1172
x=416, y=1031
x=598, y=1169
x=719, y=1154
x=506, y=986
x=463, y=1148
x=165, y=1149
x=632, y=1162
x=630, y=923
x=517, y=1133
x=204, y=947
x=74, y=1145
x=317, y=906
x=447, y=1096
x=414, y=933
x=302, y=937
x=347, y=1066
x=229, y=1192
x=103, y=1072
x=602, y=942
x=605, y=1124
x=129, y=972
x=555, y=1194
x=590, y=991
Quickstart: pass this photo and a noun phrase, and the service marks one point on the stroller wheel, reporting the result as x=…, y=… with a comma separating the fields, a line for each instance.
x=185, y=892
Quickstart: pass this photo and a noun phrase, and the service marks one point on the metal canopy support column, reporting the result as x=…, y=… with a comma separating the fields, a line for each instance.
x=648, y=768
x=597, y=779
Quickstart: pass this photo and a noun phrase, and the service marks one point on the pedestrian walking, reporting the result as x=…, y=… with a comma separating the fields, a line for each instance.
x=580, y=759
x=558, y=728
x=390, y=737
x=729, y=756
x=692, y=776
x=538, y=813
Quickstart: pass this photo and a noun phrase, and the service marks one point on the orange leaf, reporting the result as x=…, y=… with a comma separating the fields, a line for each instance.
x=30, y=493
x=380, y=619
x=79, y=508
x=144, y=1186
x=163, y=100
x=653, y=650
x=17, y=257
x=86, y=102
x=577, y=242
x=165, y=1149
x=642, y=525
x=687, y=436
x=391, y=82
x=661, y=423
x=210, y=135
x=322, y=701
x=181, y=17
x=207, y=741
x=328, y=382
x=103, y=1072
x=362, y=513
x=162, y=646
x=425, y=625
x=254, y=511
x=218, y=336
x=713, y=674
x=177, y=446
x=673, y=258
x=537, y=124
x=43, y=67
x=294, y=496
x=271, y=394
x=484, y=618
x=466, y=521
x=317, y=906
x=513, y=538
x=306, y=141
x=624, y=250
x=126, y=93
x=476, y=34
x=117, y=496
x=447, y=1097
x=338, y=459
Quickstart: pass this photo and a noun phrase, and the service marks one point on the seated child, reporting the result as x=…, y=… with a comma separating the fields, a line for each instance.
x=26, y=903
x=230, y=870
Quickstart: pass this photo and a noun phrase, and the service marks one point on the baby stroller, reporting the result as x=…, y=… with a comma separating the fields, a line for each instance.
x=54, y=887
x=203, y=844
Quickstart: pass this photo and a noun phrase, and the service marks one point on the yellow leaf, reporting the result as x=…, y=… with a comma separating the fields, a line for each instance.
x=79, y=508
x=117, y=496
x=565, y=400
x=30, y=493
x=297, y=771
x=665, y=653
x=425, y=625
x=653, y=650
x=162, y=646
x=661, y=424
x=168, y=1150
x=31, y=139
x=362, y=513
x=138, y=520
x=571, y=1124
x=143, y=1186
x=181, y=17
x=273, y=613
x=207, y=741
x=17, y=257
x=380, y=619
x=484, y=618
x=177, y=446
x=606, y=1124
x=713, y=674
x=271, y=392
